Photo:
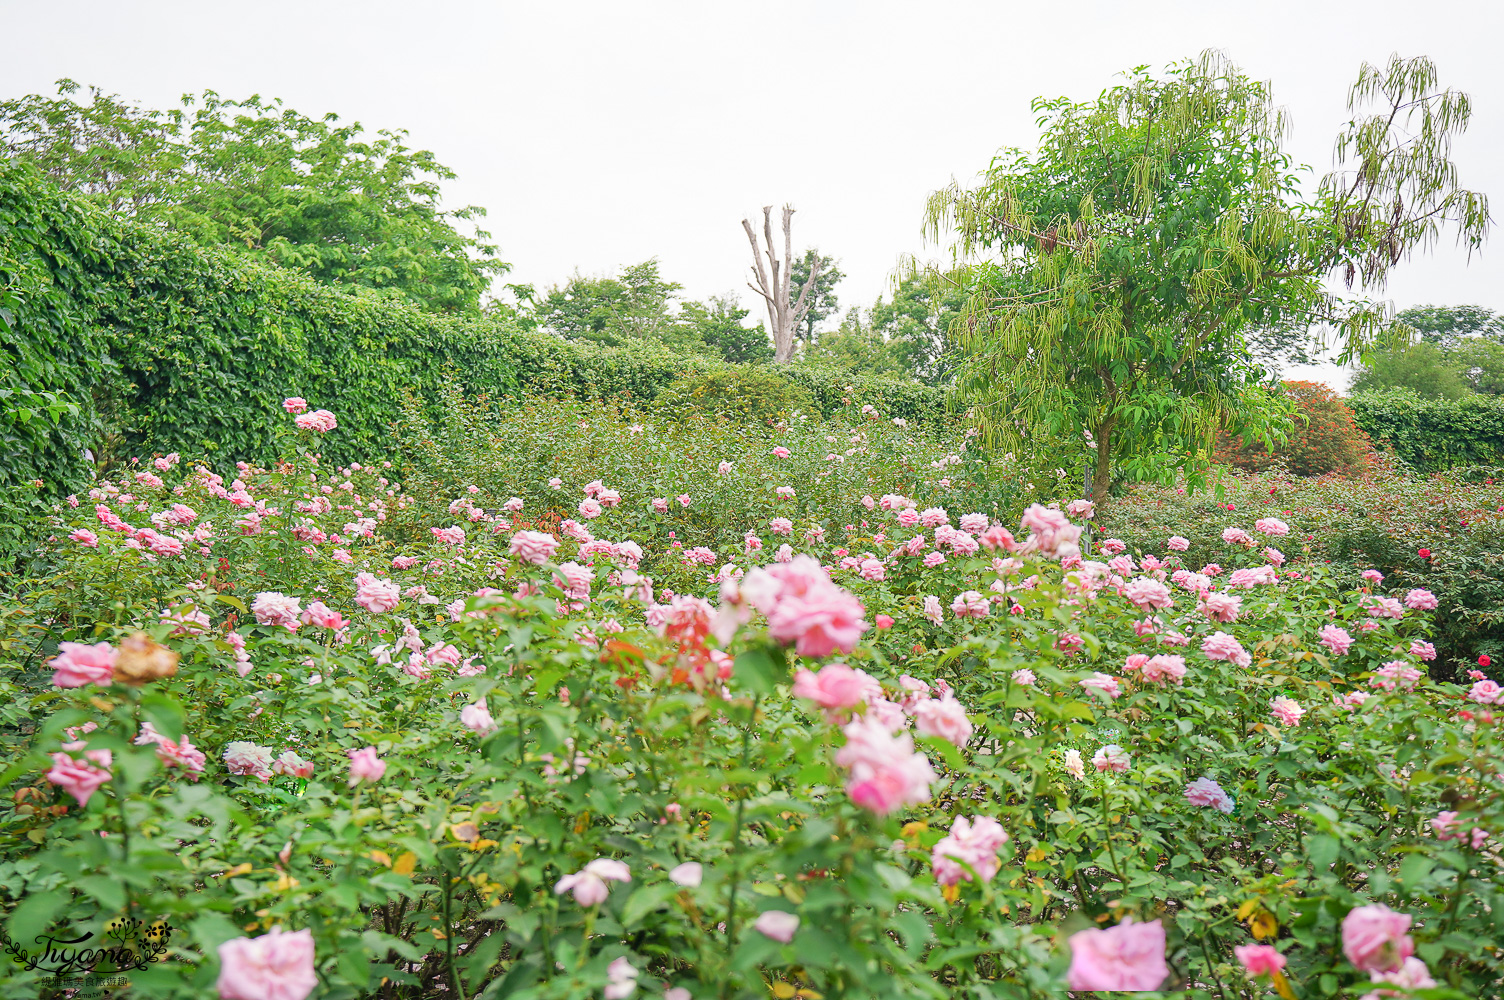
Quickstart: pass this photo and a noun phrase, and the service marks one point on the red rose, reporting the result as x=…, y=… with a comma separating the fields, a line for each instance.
x=1424, y=553
x=1484, y=660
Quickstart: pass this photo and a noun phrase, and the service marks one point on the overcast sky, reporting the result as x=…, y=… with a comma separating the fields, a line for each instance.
x=601, y=134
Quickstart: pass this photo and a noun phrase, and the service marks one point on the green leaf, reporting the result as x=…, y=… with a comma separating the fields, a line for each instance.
x=758, y=672
x=165, y=713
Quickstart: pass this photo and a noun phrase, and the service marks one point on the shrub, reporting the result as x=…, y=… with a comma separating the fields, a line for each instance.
x=1325, y=438
x=1380, y=522
x=742, y=395
x=1433, y=434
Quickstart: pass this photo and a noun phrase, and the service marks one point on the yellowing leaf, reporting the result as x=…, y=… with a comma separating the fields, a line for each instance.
x=1263, y=925
x=1282, y=985
x=951, y=893
x=406, y=863
x=1037, y=854
x=1248, y=907
x=239, y=869
x=381, y=858
x=783, y=991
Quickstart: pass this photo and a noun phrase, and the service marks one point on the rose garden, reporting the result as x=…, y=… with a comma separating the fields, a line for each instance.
x=602, y=679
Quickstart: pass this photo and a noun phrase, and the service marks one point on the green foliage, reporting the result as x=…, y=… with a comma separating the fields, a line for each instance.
x=1325, y=438
x=304, y=193
x=1446, y=325
x=920, y=321
x=1119, y=270
x=755, y=394
x=1431, y=434
x=822, y=294
x=1422, y=367
x=722, y=325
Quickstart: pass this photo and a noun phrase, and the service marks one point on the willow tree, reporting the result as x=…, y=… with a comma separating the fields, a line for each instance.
x=1119, y=271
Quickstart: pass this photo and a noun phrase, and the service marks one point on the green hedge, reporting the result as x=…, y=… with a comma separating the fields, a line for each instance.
x=169, y=346
x=1433, y=434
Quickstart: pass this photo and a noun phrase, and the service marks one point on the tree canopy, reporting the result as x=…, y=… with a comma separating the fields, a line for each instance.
x=350, y=209
x=1119, y=271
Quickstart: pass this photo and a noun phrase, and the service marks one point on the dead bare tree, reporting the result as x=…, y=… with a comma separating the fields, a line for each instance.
x=784, y=314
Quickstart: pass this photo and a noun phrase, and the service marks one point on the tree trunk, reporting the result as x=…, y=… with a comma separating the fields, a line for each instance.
x=1101, y=477
x=784, y=314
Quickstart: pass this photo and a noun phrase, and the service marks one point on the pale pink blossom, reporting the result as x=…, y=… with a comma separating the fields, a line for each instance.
x=933, y=610
x=1335, y=638
x=1112, y=546
x=1105, y=683
x=1051, y=533
x=1411, y=975
x=621, y=979
x=970, y=604
x=1486, y=692
x=1374, y=938
x=776, y=924
x=1111, y=758
x=1236, y=536
x=1084, y=509
x=1164, y=667
x=80, y=778
x=319, y=420
x=1128, y=956
x=77, y=664
x=289, y=764
x=295, y=405
x=248, y=759
x=589, y=883
x=1271, y=526
x=660, y=504
x=1221, y=646
x=1422, y=650
x=1421, y=600
x=365, y=766
x=885, y=772
x=1259, y=959
x=1074, y=765
x=972, y=843
x=836, y=687
x=590, y=508
x=273, y=608
x=689, y=874
x=1146, y=592
x=275, y=966
x=1219, y=607
x=376, y=595
x=1205, y=792
x=535, y=547
x=942, y=717
x=1178, y=544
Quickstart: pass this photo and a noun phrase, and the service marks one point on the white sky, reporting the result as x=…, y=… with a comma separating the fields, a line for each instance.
x=599, y=134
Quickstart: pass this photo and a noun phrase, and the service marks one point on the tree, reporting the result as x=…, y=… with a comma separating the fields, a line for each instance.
x=1480, y=360
x=918, y=323
x=1396, y=362
x=1119, y=270
x=784, y=313
x=856, y=346
x=348, y=208
x=1447, y=325
x=822, y=293
x=634, y=305
x=1326, y=438
x=720, y=323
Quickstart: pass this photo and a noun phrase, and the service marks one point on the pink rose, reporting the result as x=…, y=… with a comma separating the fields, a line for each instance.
x=1129, y=956
x=1111, y=758
x=295, y=405
x=1206, y=793
x=80, y=778
x=590, y=508
x=1287, y=711
x=535, y=547
x=274, y=966
x=1259, y=959
x=1421, y=600
x=836, y=686
x=1335, y=638
x=974, y=841
x=589, y=883
x=1374, y=938
x=77, y=664
x=660, y=504
x=365, y=766
x=942, y=717
x=376, y=595
x=1178, y=544
x=777, y=924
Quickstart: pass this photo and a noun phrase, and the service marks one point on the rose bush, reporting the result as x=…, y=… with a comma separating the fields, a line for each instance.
x=383, y=731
